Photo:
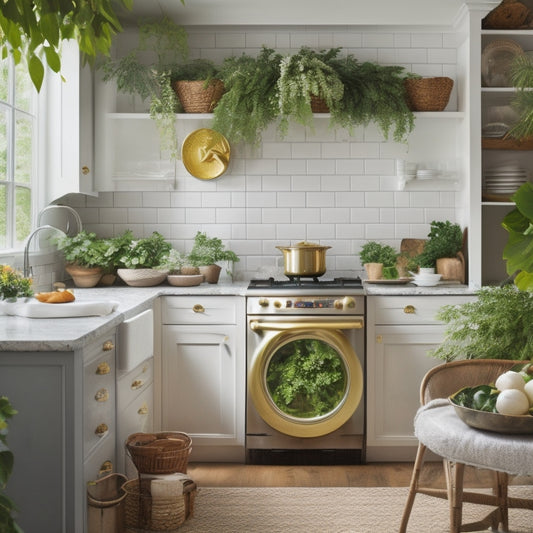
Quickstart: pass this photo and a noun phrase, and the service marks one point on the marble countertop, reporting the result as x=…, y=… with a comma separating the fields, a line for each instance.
x=68, y=334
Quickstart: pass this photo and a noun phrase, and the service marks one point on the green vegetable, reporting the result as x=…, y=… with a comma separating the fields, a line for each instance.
x=481, y=398
x=306, y=378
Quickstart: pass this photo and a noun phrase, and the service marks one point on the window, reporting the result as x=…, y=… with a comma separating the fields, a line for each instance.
x=18, y=126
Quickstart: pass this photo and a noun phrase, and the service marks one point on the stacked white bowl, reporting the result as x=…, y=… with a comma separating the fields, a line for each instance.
x=425, y=279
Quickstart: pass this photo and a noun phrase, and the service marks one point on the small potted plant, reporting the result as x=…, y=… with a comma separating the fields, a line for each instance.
x=197, y=85
x=207, y=252
x=115, y=248
x=85, y=258
x=379, y=260
x=143, y=261
x=13, y=284
x=442, y=251
x=181, y=270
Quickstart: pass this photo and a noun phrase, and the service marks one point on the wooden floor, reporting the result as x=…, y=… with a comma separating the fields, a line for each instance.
x=369, y=475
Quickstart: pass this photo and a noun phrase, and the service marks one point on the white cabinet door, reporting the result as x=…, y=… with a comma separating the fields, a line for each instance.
x=399, y=362
x=69, y=136
x=202, y=388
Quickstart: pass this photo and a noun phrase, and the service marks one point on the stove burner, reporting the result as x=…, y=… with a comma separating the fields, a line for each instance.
x=297, y=281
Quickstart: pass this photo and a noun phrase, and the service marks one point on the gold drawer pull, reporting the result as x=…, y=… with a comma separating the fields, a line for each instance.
x=143, y=410
x=103, y=368
x=102, y=395
x=198, y=308
x=137, y=384
x=101, y=430
x=85, y=170
x=409, y=309
x=105, y=468
x=108, y=346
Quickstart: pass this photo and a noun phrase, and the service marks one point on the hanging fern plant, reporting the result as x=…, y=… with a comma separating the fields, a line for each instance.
x=303, y=75
x=250, y=102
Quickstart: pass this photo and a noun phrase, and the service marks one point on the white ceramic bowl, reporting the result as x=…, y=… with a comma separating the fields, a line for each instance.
x=185, y=280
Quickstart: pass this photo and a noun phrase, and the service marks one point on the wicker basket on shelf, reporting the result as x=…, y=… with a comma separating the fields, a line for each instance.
x=428, y=94
x=195, y=98
x=159, y=453
x=163, y=510
x=318, y=105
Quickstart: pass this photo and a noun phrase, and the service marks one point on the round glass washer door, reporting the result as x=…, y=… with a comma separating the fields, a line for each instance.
x=306, y=383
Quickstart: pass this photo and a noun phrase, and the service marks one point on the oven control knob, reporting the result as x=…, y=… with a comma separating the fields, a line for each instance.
x=346, y=303
x=277, y=304
x=263, y=302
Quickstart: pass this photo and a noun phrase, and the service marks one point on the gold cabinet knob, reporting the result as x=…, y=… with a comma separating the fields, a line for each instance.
x=198, y=308
x=85, y=170
x=105, y=468
x=101, y=430
x=409, y=309
x=143, y=410
x=137, y=384
x=263, y=302
x=103, y=368
x=102, y=395
x=108, y=346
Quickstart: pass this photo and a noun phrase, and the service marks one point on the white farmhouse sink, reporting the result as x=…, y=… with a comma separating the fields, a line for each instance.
x=32, y=308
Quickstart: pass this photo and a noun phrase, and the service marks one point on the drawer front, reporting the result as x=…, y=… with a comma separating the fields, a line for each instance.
x=137, y=417
x=412, y=309
x=199, y=310
x=134, y=383
x=101, y=462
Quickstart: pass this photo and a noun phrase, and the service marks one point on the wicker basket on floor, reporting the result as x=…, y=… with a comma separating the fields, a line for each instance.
x=428, y=94
x=159, y=453
x=195, y=98
x=144, y=512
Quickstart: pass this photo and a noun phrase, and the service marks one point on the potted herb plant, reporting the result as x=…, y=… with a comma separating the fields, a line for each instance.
x=133, y=76
x=85, y=258
x=143, y=261
x=442, y=251
x=207, y=252
x=197, y=85
x=13, y=284
x=379, y=260
x=181, y=270
x=250, y=102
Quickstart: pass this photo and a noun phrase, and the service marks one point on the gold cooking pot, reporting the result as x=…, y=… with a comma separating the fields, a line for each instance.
x=304, y=259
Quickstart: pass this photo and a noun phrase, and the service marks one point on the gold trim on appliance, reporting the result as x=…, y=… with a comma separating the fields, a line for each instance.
x=299, y=427
x=257, y=325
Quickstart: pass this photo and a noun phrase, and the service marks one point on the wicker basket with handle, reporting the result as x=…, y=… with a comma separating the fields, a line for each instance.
x=428, y=94
x=159, y=453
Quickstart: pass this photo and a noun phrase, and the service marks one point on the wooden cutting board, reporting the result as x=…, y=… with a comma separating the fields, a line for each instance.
x=412, y=247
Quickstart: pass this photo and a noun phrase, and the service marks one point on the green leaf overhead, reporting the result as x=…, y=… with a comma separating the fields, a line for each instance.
x=33, y=31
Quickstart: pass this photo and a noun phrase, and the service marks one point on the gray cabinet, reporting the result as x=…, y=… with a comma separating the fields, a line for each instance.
x=64, y=432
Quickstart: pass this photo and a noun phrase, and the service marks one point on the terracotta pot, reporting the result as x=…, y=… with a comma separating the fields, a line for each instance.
x=84, y=276
x=211, y=273
x=452, y=268
x=374, y=270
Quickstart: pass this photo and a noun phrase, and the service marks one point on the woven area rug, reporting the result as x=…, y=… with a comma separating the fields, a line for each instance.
x=329, y=510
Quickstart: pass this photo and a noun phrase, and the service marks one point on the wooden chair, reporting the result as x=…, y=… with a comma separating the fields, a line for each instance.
x=441, y=382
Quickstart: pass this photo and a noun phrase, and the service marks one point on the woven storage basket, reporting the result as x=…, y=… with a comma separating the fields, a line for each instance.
x=428, y=94
x=159, y=453
x=195, y=98
x=144, y=513
x=318, y=105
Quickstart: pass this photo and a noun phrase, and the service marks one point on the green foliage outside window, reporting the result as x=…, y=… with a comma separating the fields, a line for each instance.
x=306, y=378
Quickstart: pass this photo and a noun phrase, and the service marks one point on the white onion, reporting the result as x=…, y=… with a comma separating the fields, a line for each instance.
x=510, y=380
x=512, y=402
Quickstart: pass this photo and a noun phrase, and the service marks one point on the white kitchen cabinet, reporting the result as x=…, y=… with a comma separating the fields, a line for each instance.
x=201, y=374
x=401, y=330
x=64, y=432
x=69, y=137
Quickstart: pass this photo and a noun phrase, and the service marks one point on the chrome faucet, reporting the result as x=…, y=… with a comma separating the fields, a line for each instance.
x=27, y=268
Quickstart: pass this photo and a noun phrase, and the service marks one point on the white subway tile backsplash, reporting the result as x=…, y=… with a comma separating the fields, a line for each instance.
x=335, y=186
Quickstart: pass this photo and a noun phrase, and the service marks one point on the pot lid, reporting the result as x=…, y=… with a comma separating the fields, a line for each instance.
x=304, y=245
